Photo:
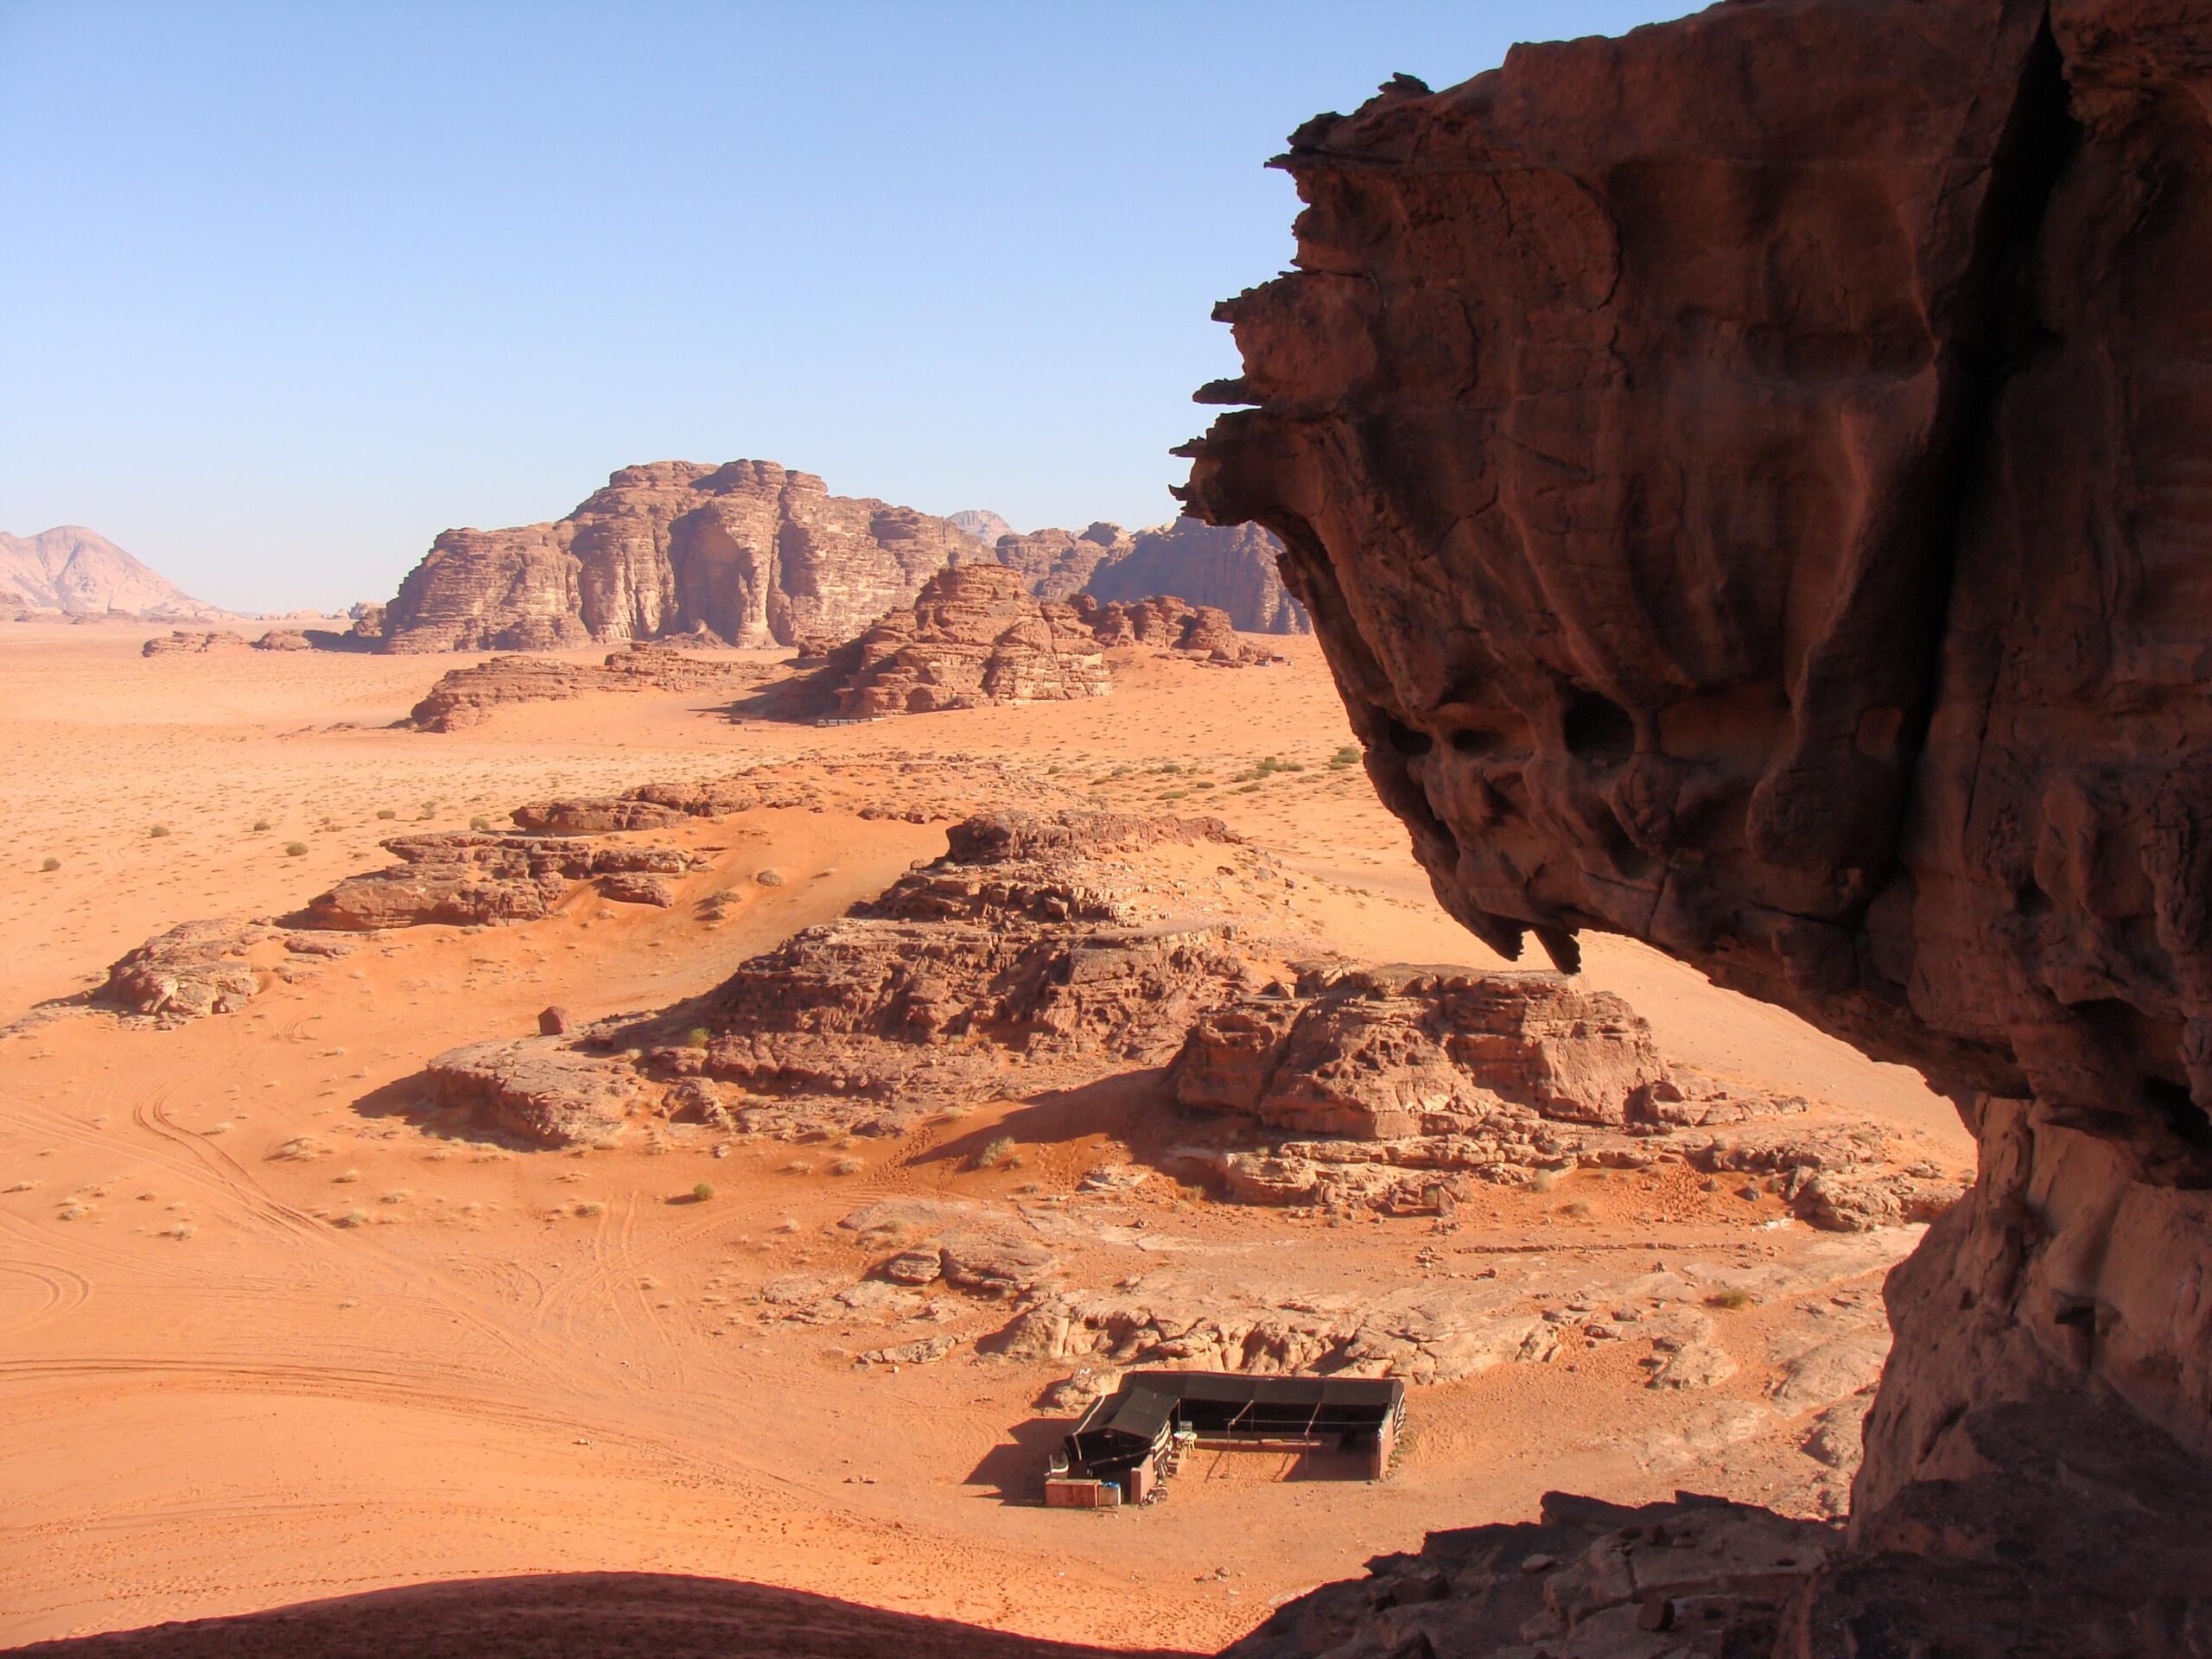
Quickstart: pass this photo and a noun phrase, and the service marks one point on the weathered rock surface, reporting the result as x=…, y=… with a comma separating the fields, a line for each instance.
x=1232, y=569
x=755, y=554
x=976, y=637
x=283, y=639
x=1697, y=1579
x=1036, y=942
x=180, y=643
x=469, y=878
x=973, y=636
x=198, y=969
x=539, y=1090
x=1745, y=478
x=466, y=696
x=1057, y=563
x=1379, y=1053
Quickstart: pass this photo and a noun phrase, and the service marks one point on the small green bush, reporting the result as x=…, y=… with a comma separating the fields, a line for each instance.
x=769, y=878
x=704, y=1191
x=158, y=831
x=50, y=866
x=481, y=824
x=294, y=848
x=430, y=809
x=1347, y=756
x=260, y=824
x=386, y=812
x=996, y=1154
x=1734, y=1297
x=697, y=1037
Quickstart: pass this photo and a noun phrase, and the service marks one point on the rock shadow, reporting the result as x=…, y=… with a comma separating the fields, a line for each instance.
x=575, y=1616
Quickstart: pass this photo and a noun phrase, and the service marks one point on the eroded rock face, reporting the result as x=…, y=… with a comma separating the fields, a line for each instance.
x=1742, y=475
x=755, y=554
x=466, y=696
x=469, y=878
x=179, y=642
x=973, y=636
x=1232, y=568
x=1383, y=1052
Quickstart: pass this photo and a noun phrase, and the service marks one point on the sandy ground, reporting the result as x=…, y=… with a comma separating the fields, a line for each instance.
x=267, y=1336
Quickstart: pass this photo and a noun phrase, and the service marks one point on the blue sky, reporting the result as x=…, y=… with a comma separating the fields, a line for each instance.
x=288, y=288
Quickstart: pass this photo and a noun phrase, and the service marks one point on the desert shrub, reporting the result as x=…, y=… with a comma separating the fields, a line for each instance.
x=158, y=831
x=294, y=848
x=480, y=823
x=697, y=1037
x=1581, y=1209
x=846, y=1166
x=592, y=1207
x=1734, y=1297
x=997, y=1154
x=49, y=866
x=1174, y=794
x=1202, y=783
x=1347, y=756
x=430, y=809
x=1544, y=1181
x=769, y=878
x=704, y=1191
x=260, y=824
x=386, y=812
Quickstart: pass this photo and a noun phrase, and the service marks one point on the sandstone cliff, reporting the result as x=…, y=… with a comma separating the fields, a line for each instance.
x=755, y=554
x=1232, y=568
x=1746, y=477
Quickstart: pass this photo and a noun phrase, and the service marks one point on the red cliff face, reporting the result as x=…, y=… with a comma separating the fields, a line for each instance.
x=1750, y=479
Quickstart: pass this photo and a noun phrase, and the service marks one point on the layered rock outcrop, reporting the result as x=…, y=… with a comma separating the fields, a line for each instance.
x=973, y=636
x=755, y=554
x=466, y=696
x=1232, y=568
x=1745, y=478
x=470, y=878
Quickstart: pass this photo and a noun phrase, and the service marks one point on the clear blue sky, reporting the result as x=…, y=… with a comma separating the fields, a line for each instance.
x=288, y=288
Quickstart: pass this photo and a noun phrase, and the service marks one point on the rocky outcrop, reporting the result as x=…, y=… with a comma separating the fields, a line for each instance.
x=466, y=696
x=754, y=554
x=197, y=969
x=1037, y=942
x=1232, y=568
x=1745, y=477
x=79, y=572
x=180, y=643
x=469, y=878
x=1378, y=1053
x=283, y=639
x=984, y=524
x=975, y=637
x=1057, y=563
x=972, y=636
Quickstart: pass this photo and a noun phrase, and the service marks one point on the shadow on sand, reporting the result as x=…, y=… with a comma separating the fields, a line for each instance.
x=574, y=1616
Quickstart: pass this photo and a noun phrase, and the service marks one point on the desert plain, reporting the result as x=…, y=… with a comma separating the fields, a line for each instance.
x=274, y=1328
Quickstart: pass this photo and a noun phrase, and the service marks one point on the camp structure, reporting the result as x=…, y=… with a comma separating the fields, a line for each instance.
x=1124, y=1447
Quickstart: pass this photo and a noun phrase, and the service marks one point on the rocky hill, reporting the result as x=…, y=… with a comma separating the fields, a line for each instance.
x=79, y=572
x=1777, y=555
x=757, y=555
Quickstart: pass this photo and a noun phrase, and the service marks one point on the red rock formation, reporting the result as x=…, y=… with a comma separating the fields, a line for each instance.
x=1745, y=478
x=1232, y=568
x=179, y=643
x=80, y=573
x=973, y=636
x=466, y=696
x=467, y=878
x=1056, y=563
x=755, y=554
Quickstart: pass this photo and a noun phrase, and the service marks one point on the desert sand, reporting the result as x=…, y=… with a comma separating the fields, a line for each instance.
x=270, y=1333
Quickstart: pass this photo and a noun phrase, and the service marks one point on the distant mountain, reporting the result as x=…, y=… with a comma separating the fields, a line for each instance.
x=80, y=572
x=984, y=525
